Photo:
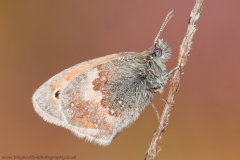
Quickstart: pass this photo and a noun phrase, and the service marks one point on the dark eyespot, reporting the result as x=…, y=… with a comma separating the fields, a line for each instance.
x=57, y=94
x=158, y=52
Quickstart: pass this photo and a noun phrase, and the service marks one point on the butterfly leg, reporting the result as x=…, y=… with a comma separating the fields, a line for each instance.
x=169, y=74
x=158, y=117
x=154, y=92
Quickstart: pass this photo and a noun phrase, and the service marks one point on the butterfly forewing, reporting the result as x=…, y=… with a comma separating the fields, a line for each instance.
x=95, y=99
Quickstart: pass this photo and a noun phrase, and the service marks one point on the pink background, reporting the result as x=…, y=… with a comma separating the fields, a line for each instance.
x=40, y=38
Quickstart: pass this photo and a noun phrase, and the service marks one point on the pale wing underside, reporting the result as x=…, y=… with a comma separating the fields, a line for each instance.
x=104, y=99
x=46, y=98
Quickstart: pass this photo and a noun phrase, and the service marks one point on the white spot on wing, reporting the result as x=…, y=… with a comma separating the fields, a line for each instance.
x=88, y=93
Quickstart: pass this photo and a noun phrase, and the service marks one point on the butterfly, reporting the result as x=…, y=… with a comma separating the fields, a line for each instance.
x=98, y=98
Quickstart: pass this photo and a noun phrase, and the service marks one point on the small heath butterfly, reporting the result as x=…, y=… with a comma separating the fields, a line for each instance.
x=98, y=98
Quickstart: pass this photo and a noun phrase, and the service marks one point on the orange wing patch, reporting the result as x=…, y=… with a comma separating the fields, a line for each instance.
x=69, y=75
x=60, y=83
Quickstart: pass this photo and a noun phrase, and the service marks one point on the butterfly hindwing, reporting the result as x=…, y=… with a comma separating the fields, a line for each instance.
x=104, y=99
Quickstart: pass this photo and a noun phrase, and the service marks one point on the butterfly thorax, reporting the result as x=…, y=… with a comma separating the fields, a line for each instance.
x=131, y=80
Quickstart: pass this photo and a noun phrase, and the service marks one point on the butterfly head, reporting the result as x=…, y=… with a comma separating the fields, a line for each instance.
x=160, y=48
x=160, y=51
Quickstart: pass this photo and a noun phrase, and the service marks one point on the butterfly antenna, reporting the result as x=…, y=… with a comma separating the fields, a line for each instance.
x=167, y=19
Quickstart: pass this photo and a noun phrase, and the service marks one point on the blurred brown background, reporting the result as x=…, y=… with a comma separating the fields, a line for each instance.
x=39, y=38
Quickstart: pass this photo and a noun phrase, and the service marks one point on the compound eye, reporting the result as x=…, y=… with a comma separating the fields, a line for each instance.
x=158, y=52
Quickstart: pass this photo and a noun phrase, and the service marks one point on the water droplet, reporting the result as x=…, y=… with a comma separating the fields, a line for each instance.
x=112, y=111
